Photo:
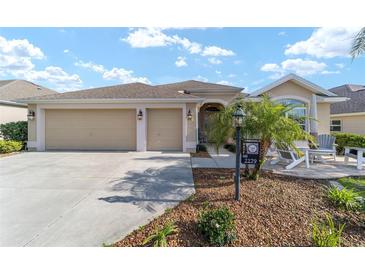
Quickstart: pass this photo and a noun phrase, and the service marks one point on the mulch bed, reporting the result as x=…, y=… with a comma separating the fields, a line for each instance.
x=200, y=154
x=273, y=211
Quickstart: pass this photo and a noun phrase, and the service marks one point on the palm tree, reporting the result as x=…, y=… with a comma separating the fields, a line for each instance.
x=265, y=120
x=358, y=45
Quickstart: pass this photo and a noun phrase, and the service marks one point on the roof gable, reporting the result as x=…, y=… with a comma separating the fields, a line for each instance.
x=11, y=90
x=296, y=79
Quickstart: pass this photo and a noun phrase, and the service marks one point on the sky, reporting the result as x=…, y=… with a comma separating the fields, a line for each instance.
x=66, y=59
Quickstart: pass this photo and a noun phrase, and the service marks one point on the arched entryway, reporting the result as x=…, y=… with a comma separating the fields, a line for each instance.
x=205, y=113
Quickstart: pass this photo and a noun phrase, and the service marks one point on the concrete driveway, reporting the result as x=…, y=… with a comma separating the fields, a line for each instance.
x=86, y=198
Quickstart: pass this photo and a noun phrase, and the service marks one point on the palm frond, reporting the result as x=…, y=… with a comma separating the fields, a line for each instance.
x=358, y=45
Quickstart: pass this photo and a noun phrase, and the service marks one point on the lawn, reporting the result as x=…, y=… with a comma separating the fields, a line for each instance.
x=273, y=211
x=357, y=184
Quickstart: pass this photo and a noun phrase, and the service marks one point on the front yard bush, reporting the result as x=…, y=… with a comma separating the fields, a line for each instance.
x=159, y=238
x=217, y=226
x=325, y=234
x=345, y=199
x=17, y=131
x=348, y=139
x=10, y=146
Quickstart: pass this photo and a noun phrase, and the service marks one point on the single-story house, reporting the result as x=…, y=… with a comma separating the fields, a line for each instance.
x=143, y=117
x=349, y=116
x=10, y=91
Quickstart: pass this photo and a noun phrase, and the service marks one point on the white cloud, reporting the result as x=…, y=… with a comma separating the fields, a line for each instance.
x=181, y=62
x=201, y=78
x=16, y=60
x=282, y=33
x=54, y=75
x=218, y=72
x=214, y=61
x=224, y=82
x=298, y=66
x=90, y=65
x=325, y=43
x=231, y=75
x=155, y=37
x=216, y=51
x=331, y=72
x=66, y=51
x=237, y=62
x=340, y=66
x=123, y=75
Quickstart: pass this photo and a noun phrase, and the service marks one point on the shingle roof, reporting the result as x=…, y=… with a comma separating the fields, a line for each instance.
x=11, y=90
x=193, y=85
x=356, y=93
x=138, y=91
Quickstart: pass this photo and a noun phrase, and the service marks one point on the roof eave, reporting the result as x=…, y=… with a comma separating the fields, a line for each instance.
x=113, y=101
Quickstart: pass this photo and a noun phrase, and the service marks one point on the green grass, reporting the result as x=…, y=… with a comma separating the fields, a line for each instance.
x=356, y=184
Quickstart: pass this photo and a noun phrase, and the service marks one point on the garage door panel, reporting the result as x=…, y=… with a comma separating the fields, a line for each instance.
x=91, y=129
x=164, y=129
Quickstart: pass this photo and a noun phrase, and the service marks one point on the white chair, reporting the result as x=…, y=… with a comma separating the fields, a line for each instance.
x=290, y=156
x=326, y=147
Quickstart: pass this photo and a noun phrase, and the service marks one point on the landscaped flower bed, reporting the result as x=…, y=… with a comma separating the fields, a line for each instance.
x=273, y=211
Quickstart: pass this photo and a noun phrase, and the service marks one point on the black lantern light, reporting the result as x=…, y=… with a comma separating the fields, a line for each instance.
x=238, y=116
x=189, y=115
x=31, y=115
x=140, y=115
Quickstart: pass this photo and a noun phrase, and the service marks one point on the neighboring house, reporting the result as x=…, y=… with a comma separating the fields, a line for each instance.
x=349, y=116
x=10, y=91
x=164, y=117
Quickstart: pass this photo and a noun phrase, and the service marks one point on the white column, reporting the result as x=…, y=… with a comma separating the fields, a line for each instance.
x=313, y=115
x=40, y=125
x=141, y=130
x=185, y=127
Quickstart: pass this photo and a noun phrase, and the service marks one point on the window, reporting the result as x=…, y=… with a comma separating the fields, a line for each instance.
x=298, y=113
x=336, y=125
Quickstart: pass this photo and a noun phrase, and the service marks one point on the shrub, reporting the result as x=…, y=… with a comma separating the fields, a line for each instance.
x=159, y=238
x=17, y=131
x=345, y=198
x=348, y=139
x=230, y=147
x=201, y=148
x=325, y=234
x=217, y=226
x=10, y=146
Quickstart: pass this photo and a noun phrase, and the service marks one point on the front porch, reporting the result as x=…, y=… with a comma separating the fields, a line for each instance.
x=326, y=170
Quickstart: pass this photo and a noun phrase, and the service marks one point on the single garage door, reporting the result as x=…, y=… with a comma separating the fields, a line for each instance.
x=90, y=129
x=164, y=129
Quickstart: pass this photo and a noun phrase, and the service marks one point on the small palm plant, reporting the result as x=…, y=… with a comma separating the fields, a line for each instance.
x=265, y=120
x=345, y=198
x=159, y=238
x=325, y=234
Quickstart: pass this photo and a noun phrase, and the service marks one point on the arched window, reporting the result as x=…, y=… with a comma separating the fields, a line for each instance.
x=299, y=113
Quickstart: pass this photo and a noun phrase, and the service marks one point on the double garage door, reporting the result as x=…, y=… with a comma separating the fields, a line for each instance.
x=111, y=129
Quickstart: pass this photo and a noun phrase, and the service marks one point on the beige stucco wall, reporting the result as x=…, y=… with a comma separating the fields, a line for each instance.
x=191, y=134
x=323, y=113
x=12, y=114
x=290, y=90
x=32, y=126
x=216, y=98
x=352, y=124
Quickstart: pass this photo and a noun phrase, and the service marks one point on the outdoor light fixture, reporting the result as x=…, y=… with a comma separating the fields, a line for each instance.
x=238, y=117
x=140, y=115
x=189, y=115
x=31, y=115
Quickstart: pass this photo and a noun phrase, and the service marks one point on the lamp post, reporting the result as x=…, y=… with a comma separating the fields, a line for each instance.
x=238, y=116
